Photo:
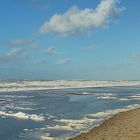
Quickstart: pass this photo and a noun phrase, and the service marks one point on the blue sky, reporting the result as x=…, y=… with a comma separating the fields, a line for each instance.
x=68, y=39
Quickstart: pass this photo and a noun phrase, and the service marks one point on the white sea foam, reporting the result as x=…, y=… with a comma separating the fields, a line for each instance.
x=81, y=121
x=109, y=113
x=26, y=103
x=22, y=116
x=7, y=86
x=36, y=118
x=106, y=96
x=69, y=126
x=49, y=116
x=124, y=99
x=60, y=127
x=47, y=138
x=26, y=129
x=133, y=106
x=110, y=96
x=72, y=125
x=135, y=97
x=105, y=114
x=32, y=134
x=86, y=93
x=18, y=107
x=15, y=96
x=79, y=125
x=113, y=98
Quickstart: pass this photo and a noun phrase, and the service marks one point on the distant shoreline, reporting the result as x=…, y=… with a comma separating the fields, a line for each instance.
x=122, y=126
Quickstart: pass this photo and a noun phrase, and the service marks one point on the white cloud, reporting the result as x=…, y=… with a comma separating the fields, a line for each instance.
x=75, y=20
x=21, y=42
x=14, y=52
x=33, y=44
x=50, y=51
x=16, y=42
x=40, y=61
x=10, y=56
x=63, y=61
x=94, y=46
x=15, y=55
x=20, y=51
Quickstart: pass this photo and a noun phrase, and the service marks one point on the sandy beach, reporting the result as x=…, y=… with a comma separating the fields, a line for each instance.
x=122, y=126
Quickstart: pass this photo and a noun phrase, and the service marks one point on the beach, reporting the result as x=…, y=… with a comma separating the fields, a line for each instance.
x=65, y=113
x=122, y=126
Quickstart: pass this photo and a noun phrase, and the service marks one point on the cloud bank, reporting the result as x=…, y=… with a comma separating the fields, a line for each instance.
x=77, y=21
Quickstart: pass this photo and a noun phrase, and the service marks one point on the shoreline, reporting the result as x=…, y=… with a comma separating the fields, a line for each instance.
x=122, y=126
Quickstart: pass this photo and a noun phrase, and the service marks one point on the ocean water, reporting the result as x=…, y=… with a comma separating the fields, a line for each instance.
x=56, y=114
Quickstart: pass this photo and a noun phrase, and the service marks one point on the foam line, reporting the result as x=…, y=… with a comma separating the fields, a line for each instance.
x=7, y=86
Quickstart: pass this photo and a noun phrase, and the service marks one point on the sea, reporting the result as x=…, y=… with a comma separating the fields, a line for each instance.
x=60, y=109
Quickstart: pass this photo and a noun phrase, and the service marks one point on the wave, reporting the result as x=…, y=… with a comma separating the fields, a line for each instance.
x=47, y=138
x=135, y=97
x=72, y=125
x=106, y=96
x=18, y=107
x=22, y=116
x=31, y=134
x=7, y=86
x=110, y=113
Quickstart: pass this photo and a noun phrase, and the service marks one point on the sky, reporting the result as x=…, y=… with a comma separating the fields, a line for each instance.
x=70, y=39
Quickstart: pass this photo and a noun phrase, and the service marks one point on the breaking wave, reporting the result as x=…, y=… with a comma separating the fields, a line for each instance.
x=7, y=86
x=22, y=116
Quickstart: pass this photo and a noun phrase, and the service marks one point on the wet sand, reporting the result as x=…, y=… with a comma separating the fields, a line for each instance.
x=122, y=126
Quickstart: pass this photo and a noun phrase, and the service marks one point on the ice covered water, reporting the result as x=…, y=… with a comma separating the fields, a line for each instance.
x=55, y=114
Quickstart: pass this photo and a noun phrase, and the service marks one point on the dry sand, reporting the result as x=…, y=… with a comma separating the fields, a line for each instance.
x=123, y=126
